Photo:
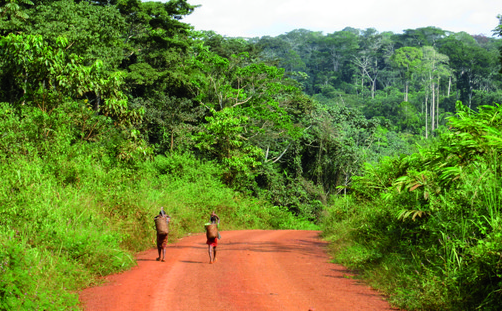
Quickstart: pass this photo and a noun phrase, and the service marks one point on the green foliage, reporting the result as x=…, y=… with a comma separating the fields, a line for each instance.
x=365, y=63
x=26, y=277
x=224, y=138
x=335, y=145
x=169, y=122
x=44, y=77
x=93, y=32
x=407, y=59
x=436, y=213
x=109, y=110
x=299, y=195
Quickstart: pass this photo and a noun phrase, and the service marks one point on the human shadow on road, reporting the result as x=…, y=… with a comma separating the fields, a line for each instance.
x=202, y=246
x=300, y=246
x=343, y=273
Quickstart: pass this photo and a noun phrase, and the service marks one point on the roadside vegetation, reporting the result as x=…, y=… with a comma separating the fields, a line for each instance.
x=426, y=228
x=388, y=143
x=63, y=227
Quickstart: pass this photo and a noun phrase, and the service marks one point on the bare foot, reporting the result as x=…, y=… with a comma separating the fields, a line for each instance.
x=158, y=259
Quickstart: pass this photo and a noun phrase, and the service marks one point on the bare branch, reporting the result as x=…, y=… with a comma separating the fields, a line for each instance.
x=279, y=157
x=237, y=104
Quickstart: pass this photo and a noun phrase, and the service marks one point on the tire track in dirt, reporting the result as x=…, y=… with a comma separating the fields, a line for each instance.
x=256, y=270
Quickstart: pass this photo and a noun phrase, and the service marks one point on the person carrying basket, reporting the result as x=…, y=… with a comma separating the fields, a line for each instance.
x=212, y=235
x=162, y=226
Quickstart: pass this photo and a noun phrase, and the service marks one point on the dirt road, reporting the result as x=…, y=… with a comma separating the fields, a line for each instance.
x=256, y=270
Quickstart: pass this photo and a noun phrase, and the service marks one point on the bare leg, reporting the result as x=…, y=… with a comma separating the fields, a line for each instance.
x=163, y=254
x=214, y=254
x=210, y=251
x=158, y=249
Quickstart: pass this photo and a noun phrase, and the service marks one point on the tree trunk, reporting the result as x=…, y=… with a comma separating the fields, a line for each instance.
x=449, y=86
x=426, y=125
x=172, y=140
x=406, y=92
x=433, y=106
x=437, y=106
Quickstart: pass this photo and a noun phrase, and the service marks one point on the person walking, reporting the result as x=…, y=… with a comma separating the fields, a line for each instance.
x=212, y=242
x=162, y=233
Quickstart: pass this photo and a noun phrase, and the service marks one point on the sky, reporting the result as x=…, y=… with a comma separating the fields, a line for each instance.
x=257, y=18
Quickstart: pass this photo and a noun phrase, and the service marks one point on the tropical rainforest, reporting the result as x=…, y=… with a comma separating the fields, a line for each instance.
x=388, y=143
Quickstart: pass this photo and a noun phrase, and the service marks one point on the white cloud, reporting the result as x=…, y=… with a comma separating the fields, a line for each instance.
x=274, y=17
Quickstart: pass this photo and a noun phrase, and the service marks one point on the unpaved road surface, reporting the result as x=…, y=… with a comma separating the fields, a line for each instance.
x=256, y=270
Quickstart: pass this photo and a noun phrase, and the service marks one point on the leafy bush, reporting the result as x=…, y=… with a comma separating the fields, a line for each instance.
x=426, y=228
x=29, y=279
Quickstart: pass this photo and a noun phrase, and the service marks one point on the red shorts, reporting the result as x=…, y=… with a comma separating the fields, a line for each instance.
x=212, y=242
x=162, y=241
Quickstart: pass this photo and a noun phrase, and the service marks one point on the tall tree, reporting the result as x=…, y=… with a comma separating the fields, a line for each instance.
x=93, y=32
x=470, y=63
x=434, y=66
x=259, y=94
x=420, y=37
x=407, y=60
x=368, y=59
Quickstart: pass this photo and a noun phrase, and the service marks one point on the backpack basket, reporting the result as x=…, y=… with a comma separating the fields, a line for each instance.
x=161, y=225
x=211, y=231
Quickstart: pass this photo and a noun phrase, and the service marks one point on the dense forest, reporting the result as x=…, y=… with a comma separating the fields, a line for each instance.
x=387, y=142
x=411, y=79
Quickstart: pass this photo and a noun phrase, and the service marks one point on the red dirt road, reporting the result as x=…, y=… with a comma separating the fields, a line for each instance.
x=256, y=270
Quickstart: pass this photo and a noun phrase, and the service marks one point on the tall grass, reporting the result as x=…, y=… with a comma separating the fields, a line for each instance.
x=69, y=231
x=72, y=209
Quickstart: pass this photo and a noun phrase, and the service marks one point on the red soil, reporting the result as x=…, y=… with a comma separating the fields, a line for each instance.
x=256, y=270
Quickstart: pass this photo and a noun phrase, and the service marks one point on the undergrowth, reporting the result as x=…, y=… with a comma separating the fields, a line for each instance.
x=58, y=237
x=426, y=229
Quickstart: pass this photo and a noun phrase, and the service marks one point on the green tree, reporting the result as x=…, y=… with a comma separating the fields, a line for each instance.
x=407, y=60
x=157, y=46
x=93, y=32
x=13, y=15
x=420, y=37
x=498, y=31
x=169, y=122
x=335, y=145
x=471, y=63
x=224, y=138
x=408, y=118
x=434, y=67
x=37, y=74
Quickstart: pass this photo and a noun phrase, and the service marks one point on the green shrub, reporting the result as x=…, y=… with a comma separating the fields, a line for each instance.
x=426, y=228
x=73, y=209
x=29, y=280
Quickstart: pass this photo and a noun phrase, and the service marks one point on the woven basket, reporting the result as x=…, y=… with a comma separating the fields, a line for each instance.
x=161, y=225
x=211, y=231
